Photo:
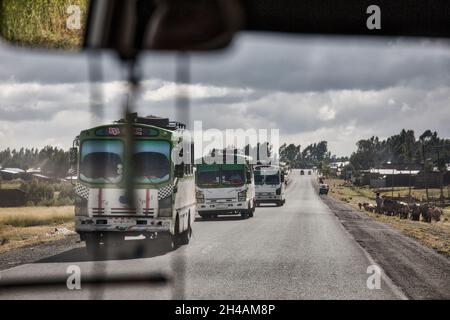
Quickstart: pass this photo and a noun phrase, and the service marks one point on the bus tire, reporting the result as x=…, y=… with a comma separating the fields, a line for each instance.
x=251, y=211
x=244, y=214
x=167, y=241
x=94, y=248
x=185, y=236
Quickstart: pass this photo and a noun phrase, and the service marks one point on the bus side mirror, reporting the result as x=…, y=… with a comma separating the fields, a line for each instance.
x=179, y=171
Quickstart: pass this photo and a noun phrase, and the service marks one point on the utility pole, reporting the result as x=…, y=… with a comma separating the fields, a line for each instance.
x=392, y=180
x=409, y=185
x=425, y=180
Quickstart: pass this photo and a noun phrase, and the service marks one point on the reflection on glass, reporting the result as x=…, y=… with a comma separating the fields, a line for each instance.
x=234, y=177
x=151, y=162
x=44, y=24
x=101, y=161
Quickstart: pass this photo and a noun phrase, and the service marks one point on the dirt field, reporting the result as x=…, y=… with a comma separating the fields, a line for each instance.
x=31, y=225
x=435, y=235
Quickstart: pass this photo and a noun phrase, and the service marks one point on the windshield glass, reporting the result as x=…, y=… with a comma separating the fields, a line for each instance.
x=151, y=161
x=234, y=177
x=259, y=179
x=208, y=178
x=267, y=176
x=273, y=179
x=101, y=161
x=217, y=175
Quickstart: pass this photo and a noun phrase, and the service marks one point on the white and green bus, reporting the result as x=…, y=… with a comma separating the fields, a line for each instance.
x=269, y=184
x=163, y=205
x=226, y=188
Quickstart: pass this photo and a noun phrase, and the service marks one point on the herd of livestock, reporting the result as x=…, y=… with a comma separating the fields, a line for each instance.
x=404, y=210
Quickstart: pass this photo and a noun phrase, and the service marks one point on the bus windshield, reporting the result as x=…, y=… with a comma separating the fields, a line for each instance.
x=151, y=162
x=101, y=161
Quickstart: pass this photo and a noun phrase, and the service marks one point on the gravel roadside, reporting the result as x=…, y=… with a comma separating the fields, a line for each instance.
x=418, y=271
x=38, y=252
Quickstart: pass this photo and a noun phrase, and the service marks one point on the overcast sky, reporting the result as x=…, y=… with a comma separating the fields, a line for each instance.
x=312, y=89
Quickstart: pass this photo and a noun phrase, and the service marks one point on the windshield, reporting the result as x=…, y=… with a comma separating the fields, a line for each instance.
x=208, y=178
x=369, y=115
x=220, y=175
x=151, y=161
x=101, y=161
x=233, y=177
x=267, y=175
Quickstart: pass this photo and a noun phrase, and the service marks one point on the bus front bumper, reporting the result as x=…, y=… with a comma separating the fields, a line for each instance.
x=122, y=224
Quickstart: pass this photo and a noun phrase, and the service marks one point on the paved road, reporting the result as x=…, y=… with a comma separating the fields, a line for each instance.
x=299, y=251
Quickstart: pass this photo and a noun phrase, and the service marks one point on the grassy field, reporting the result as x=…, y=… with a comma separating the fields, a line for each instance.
x=41, y=23
x=435, y=235
x=32, y=225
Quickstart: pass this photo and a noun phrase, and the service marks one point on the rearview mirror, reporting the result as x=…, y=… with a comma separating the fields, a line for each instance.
x=124, y=26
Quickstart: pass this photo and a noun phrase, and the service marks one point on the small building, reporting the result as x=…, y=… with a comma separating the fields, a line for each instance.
x=12, y=173
x=386, y=178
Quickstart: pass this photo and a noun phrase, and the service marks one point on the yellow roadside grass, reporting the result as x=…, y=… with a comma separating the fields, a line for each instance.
x=32, y=225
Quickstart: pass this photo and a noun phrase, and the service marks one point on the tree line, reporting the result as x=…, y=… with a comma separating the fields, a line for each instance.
x=52, y=161
x=313, y=155
x=402, y=151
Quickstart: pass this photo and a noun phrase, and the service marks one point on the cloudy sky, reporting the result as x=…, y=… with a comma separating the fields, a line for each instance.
x=339, y=90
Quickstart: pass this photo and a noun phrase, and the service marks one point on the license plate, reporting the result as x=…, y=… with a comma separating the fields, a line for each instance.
x=221, y=206
x=121, y=221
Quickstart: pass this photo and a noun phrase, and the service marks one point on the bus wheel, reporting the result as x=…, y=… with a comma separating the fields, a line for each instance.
x=94, y=248
x=167, y=241
x=185, y=236
x=244, y=214
x=251, y=212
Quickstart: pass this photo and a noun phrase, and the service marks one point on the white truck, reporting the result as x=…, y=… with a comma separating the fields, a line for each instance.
x=225, y=189
x=269, y=184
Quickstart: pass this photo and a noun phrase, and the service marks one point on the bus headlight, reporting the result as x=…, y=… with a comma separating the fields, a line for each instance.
x=200, y=197
x=81, y=207
x=165, y=207
x=242, y=196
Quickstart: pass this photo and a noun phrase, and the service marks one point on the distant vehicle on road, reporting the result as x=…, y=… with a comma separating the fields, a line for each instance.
x=324, y=188
x=302, y=172
x=309, y=172
x=269, y=184
x=226, y=189
x=164, y=193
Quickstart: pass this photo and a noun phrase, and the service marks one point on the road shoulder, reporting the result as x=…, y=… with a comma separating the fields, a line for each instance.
x=418, y=271
x=33, y=253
